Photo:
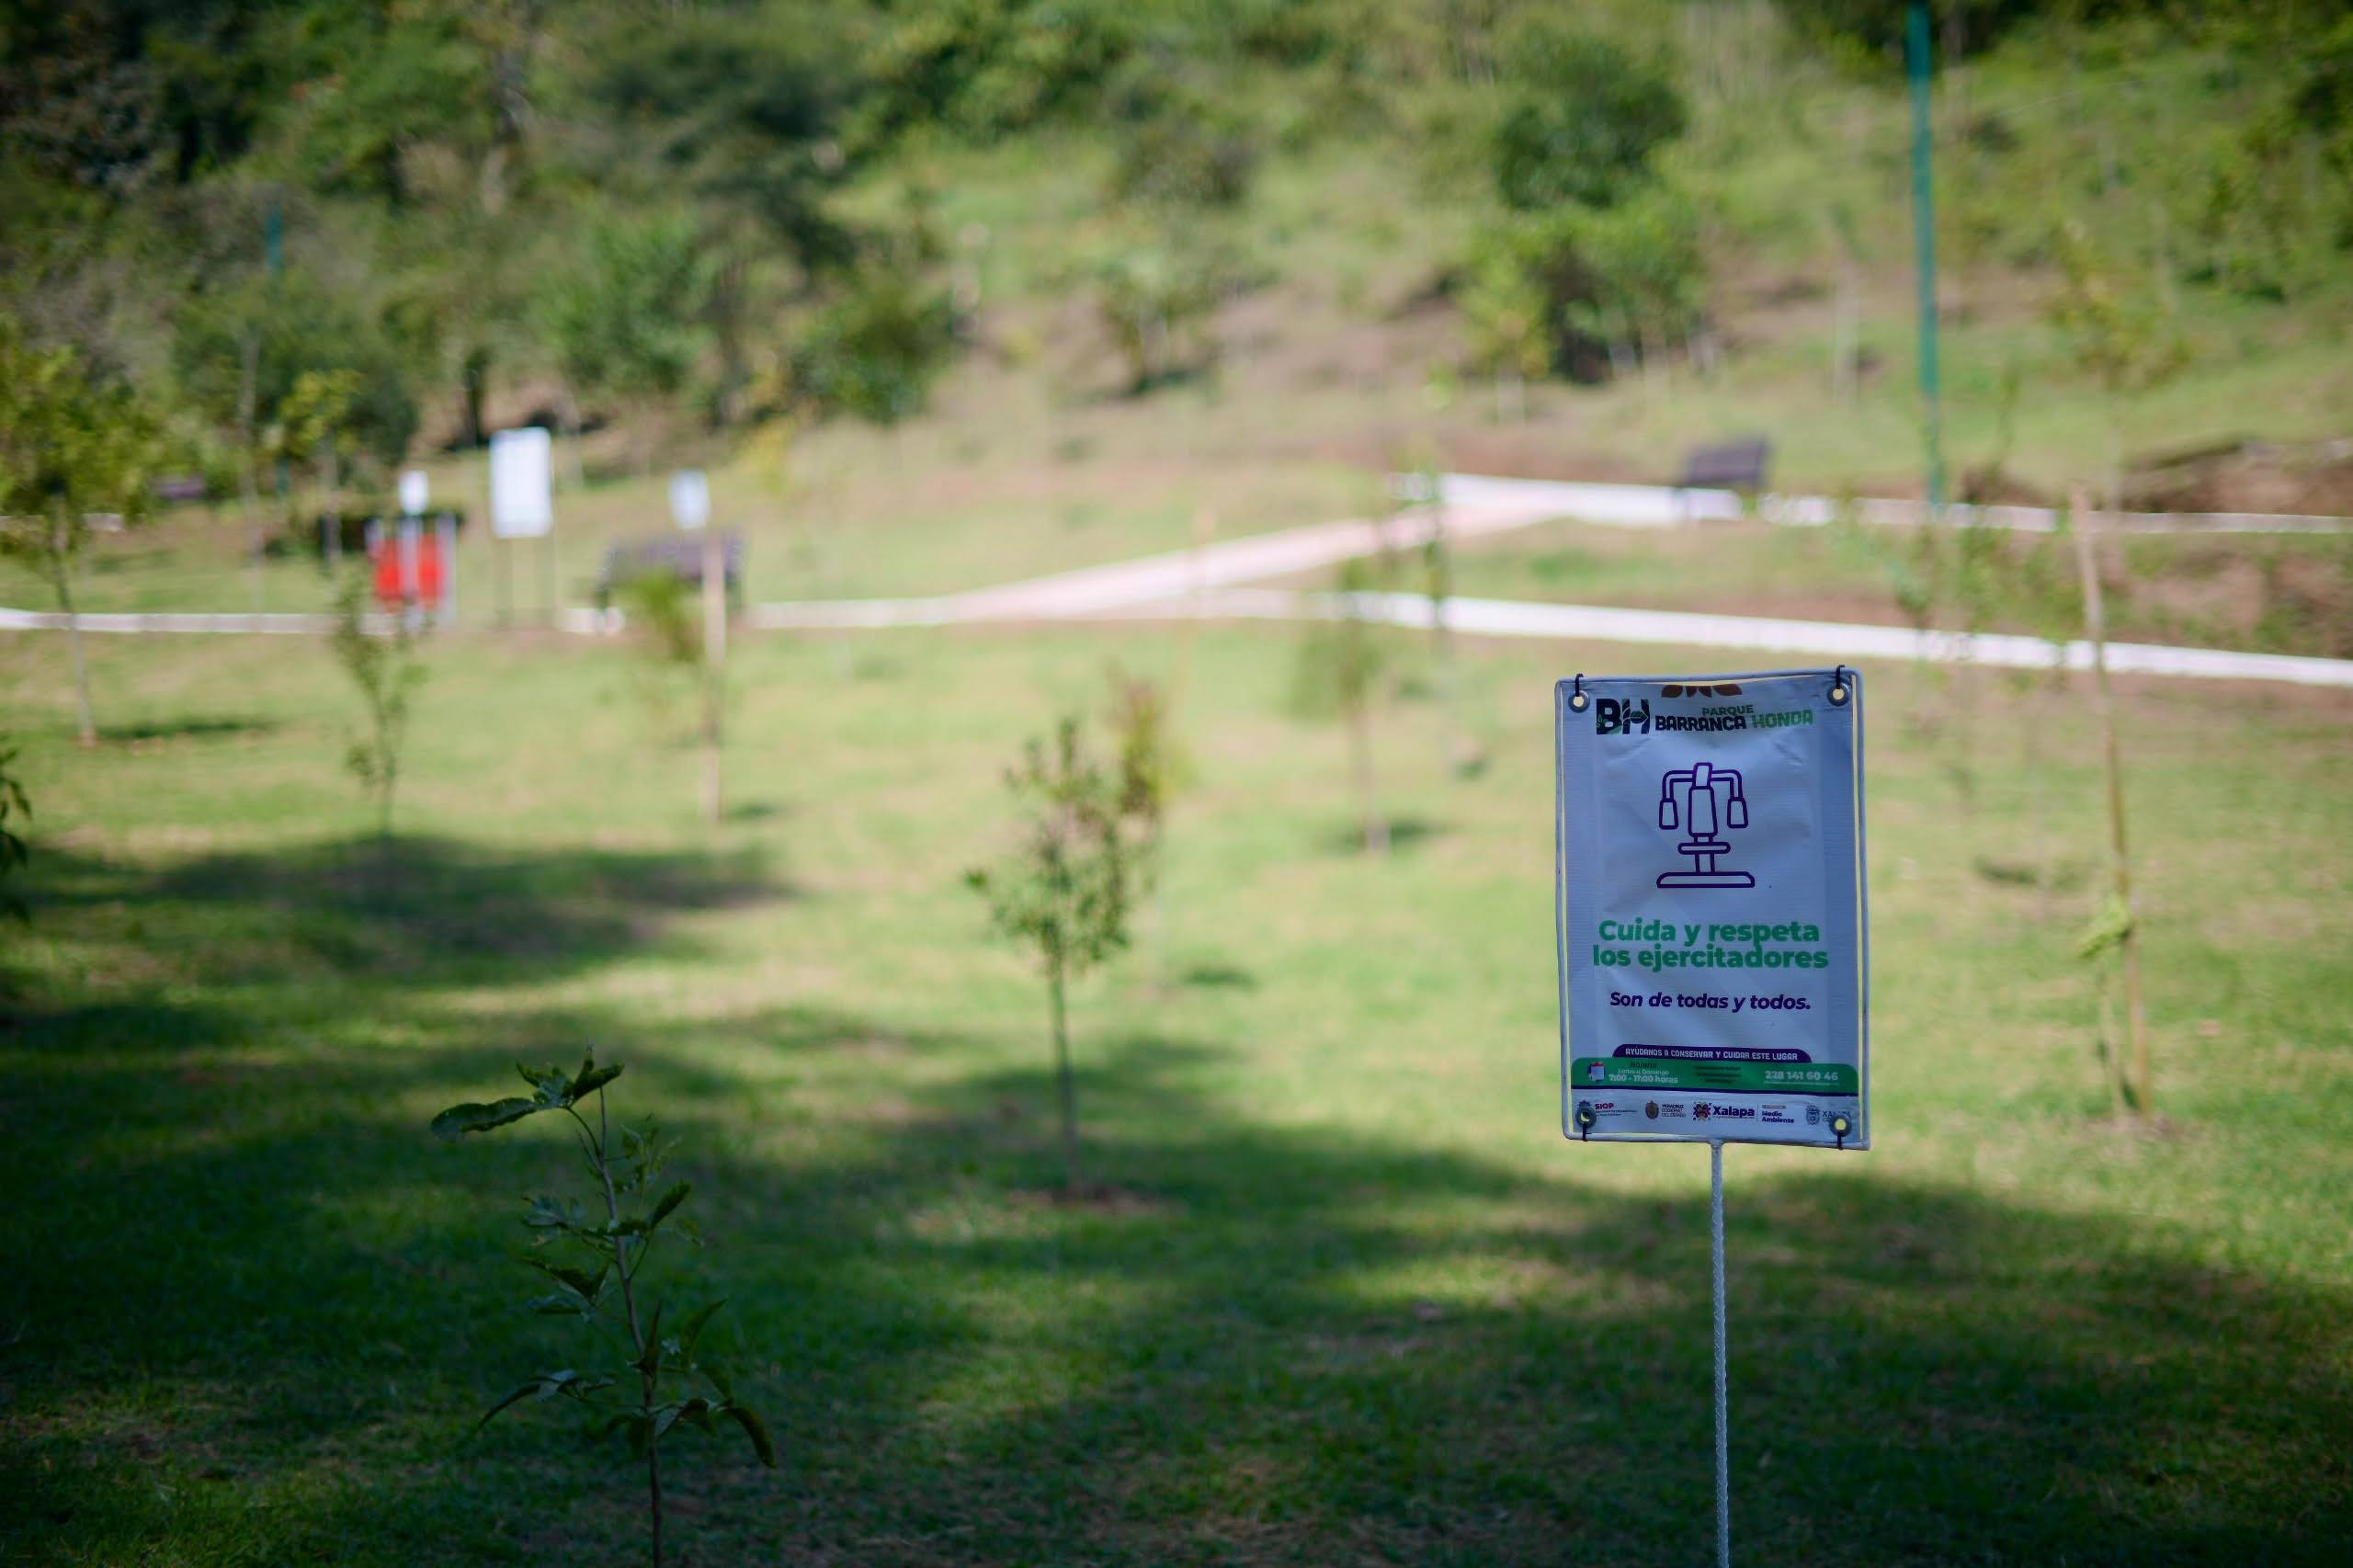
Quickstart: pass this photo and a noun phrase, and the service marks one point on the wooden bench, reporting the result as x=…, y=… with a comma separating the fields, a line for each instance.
x=679, y=554
x=1737, y=466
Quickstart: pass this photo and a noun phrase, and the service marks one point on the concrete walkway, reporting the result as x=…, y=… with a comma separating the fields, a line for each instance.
x=1207, y=584
x=1597, y=623
x=1653, y=505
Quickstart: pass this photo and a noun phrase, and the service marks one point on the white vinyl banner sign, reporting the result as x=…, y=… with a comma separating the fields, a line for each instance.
x=1714, y=934
x=520, y=502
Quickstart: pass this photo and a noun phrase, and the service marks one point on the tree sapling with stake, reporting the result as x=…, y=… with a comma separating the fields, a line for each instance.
x=671, y=1385
x=1064, y=890
x=387, y=671
x=1340, y=667
x=74, y=449
x=1152, y=767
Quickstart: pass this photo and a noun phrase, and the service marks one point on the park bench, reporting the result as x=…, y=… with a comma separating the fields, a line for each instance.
x=1736, y=466
x=679, y=554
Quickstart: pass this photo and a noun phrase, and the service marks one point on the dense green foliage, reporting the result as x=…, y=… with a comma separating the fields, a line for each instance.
x=674, y=216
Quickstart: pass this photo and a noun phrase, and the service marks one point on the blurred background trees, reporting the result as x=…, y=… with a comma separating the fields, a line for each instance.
x=668, y=218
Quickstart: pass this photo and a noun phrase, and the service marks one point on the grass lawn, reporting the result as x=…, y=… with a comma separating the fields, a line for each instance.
x=2271, y=594
x=1356, y=1301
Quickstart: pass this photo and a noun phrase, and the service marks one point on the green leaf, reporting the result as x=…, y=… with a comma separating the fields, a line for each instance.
x=717, y=1378
x=540, y=1077
x=460, y=1119
x=559, y=1304
x=580, y=1282
x=755, y=1429
x=589, y=1082
x=649, y=1360
x=636, y=1225
x=536, y=1389
x=551, y=1214
x=697, y=1412
x=546, y=1386
x=694, y=1326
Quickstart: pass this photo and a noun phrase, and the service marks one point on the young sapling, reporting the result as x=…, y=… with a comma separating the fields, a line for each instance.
x=387, y=671
x=1064, y=890
x=666, y=1382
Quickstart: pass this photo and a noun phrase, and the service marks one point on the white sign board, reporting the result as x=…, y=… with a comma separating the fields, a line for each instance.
x=415, y=493
x=520, y=502
x=690, y=498
x=1714, y=940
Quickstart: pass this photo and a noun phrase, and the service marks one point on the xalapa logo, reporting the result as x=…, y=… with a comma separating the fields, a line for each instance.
x=1612, y=717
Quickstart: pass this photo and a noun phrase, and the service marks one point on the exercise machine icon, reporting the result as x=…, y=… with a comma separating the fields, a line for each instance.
x=1703, y=800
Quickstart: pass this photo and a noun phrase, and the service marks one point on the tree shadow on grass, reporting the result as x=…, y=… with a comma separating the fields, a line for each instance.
x=202, y=727
x=415, y=910
x=1315, y=1343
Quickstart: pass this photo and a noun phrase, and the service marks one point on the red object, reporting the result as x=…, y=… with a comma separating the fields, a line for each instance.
x=428, y=587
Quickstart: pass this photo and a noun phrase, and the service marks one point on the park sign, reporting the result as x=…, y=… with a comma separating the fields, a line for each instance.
x=690, y=498
x=520, y=501
x=1713, y=931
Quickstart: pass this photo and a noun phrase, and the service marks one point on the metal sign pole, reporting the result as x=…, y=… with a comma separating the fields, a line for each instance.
x=1724, y=1409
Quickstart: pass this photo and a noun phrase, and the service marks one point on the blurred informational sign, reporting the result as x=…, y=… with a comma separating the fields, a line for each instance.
x=416, y=493
x=1714, y=943
x=520, y=502
x=690, y=498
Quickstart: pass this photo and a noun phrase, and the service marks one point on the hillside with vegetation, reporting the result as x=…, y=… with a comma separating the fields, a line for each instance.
x=1533, y=238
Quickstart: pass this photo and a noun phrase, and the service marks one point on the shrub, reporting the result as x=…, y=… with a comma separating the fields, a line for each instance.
x=1580, y=120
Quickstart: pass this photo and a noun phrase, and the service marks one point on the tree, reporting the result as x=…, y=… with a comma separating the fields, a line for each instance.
x=72, y=450
x=12, y=803
x=1064, y=889
x=2117, y=331
x=1504, y=315
x=315, y=424
x=1580, y=121
x=679, y=637
x=1340, y=666
x=1152, y=767
x=237, y=353
x=874, y=350
x=625, y=319
x=387, y=672
x=1420, y=484
x=608, y=1258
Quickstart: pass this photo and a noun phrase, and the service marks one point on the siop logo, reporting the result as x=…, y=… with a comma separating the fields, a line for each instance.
x=1611, y=717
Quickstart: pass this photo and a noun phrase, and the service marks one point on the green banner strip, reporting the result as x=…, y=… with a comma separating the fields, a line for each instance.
x=1651, y=1073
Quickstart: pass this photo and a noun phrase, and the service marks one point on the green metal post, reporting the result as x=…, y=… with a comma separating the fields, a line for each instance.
x=1924, y=221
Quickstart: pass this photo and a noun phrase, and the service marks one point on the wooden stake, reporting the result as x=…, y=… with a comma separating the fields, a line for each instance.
x=714, y=659
x=2083, y=525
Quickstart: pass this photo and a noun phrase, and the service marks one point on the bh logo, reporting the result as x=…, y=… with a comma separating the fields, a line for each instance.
x=1611, y=717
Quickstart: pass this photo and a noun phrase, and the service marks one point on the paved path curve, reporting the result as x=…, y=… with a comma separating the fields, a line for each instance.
x=1597, y=623
x=1205, y=583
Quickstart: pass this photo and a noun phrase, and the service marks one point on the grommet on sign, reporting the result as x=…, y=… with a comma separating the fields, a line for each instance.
x=1838, y=688
x=1840, y=1128
x=1578, y=697
x=1584, y=1123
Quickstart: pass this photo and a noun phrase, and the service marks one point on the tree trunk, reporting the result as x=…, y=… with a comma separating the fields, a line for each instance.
x=247, y=377
x=1842, y=339
x=1066, y=1088
x=1376, y=826
x=61, y=561
x=2136, y=1018
x=714, y=660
